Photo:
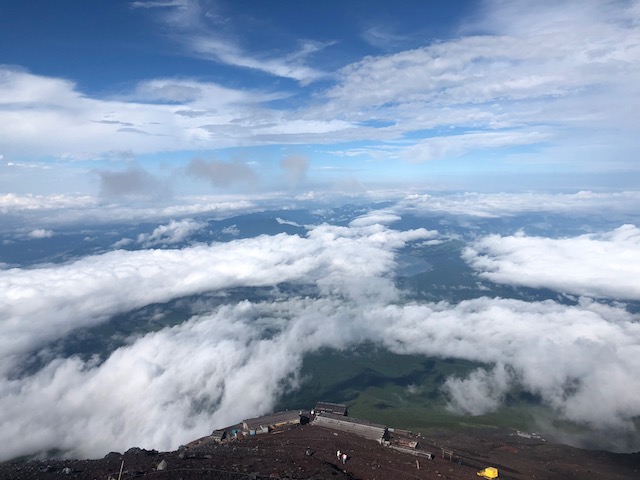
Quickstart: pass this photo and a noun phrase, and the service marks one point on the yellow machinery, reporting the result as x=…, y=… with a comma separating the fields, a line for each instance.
x=489, y=472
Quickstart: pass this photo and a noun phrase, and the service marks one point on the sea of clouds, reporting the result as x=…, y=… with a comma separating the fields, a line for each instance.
x=168, y=387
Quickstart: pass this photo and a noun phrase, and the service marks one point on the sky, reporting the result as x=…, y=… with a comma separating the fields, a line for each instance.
x=145, y=143
x=151, y=99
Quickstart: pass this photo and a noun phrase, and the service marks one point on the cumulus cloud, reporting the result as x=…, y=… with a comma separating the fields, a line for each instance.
x=173, y=232
x=231, y=230
x=236, y=360
x=165, y=389
x=480, y=392
x=382, y=217
x=40, y=233
x=571, y=357
x=123, y=242
x=558, y=352
x=220, y=367
x=596, y=265
x=41, y=304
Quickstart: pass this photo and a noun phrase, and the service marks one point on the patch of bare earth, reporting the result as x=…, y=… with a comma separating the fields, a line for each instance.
x=309, y=452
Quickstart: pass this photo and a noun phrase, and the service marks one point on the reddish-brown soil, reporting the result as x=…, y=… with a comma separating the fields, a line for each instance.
x=283, y=454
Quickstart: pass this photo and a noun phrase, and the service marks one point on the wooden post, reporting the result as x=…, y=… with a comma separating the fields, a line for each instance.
x=447, y=452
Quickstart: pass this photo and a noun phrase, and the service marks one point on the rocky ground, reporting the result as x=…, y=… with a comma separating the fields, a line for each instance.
x=309, y=452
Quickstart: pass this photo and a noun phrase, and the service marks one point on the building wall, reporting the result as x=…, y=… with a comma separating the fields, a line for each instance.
x=369, y=431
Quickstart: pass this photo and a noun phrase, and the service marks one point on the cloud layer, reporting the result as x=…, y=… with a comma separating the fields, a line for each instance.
x=42, y=304
x=168, y=387
x=595, y=265
x=495, y=205
x=174, y=385
x=56, y=210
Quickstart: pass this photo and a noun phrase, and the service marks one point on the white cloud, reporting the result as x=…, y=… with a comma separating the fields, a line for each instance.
x=198, y=29
x=382, y=217
x=596, y=265
x=479, y=393
x=56, y=210
x=38, y=305
x=123, y=242
x=173, y=232
x=506, y=62
x=221, y=366
x=158, y=115
x=231, y=230
x=11, y=202
x=50, y=117
x=177, y=384
x=383, y=37
x=282, y=221
x=226, y=52
x=566, y=83
x=40, y=233
x=493, y=205
x=157, y=3
x=564, y=71
x=566, y=355
x=457, y=145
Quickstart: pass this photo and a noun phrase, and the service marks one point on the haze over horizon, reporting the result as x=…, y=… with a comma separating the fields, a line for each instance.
x=197, y=195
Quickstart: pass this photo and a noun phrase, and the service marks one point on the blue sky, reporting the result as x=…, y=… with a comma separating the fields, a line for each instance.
x=172, y=97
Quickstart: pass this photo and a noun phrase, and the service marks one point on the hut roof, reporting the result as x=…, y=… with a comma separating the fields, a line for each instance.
x=360, y=427
x=335, y=408
x=273, y=420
